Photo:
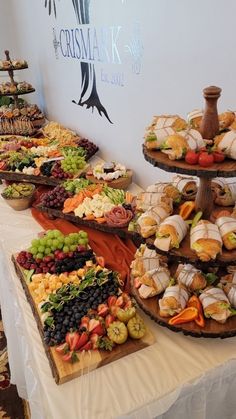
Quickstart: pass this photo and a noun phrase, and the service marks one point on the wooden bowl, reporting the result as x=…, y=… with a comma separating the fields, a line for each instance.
x=121, y=182
x=21, y=203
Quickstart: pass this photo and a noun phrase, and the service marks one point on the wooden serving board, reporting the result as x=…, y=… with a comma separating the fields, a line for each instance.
x=121, y=232
x=18, y=93
x=212, y=329
x=14, y=68
x=41, y=180
x=121, y=183
x=88, y=361
x=158, y=159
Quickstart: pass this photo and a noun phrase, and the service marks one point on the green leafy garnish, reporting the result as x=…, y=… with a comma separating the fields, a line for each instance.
x=211, y=278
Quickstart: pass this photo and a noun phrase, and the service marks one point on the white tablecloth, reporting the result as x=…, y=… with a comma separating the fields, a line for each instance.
x=177, y=377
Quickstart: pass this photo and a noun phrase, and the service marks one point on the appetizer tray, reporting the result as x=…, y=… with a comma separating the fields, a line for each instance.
x=14, y=68
x=18, y=93
x=64, y=372
x=212, y=329
x=121, y=183
x=121, y=232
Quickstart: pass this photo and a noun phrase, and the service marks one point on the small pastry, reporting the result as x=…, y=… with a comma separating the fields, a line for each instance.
x=174, y=300
x=154, y=282
x=155, y=138
x=215, y=304
x=186, y=185
x=150, y=220
x=170, y=233
x=145, y=200
x=175, y=146
x=192, y=278
x=167, y=188
x=195, y=118
x=227, y=227
x=226, y=119
x=162, y=127
x=205, y=240
x=227, y=143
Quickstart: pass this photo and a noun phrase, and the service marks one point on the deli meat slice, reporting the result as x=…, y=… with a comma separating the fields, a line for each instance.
x=118, y=217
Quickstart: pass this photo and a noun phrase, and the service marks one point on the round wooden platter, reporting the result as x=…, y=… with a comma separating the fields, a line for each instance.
x=55, y=213
x=18, y=93
x=161, y=160
x=12, y=68
x=212, y=329
x=121, y=183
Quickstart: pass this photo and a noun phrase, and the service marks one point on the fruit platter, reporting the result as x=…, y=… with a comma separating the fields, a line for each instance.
x=95, y=205
x=114, y=174
x=84, y=317
x=43, y=160
x=184, y=272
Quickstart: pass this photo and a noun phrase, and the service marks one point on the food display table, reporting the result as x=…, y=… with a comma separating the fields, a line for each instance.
x=177, y=377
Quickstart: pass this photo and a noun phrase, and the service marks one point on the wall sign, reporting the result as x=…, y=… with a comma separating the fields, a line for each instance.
x=94, y=48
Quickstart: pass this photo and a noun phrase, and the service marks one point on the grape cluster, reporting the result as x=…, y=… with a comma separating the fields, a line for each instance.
x=46, y=168
x=89, y=147
x=70, y=315
x=58, y=172
x=55, y=198
x=75, y=261
x=54, y=240
x=72, y=164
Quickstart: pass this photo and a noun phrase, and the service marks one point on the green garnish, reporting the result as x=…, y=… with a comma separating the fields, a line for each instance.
x=197, y=218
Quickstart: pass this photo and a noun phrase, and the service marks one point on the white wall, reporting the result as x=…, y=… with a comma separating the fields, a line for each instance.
x=187, y=45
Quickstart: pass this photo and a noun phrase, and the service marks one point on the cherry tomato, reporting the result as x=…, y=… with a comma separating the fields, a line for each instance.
x=191, y=157
x=218, y=156
x=205, y=159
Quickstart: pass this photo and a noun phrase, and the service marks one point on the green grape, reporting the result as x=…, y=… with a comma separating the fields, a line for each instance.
x=39, y=256
x=43, y=241
x=83, y=242
x=53, y=248
x=41, y=249
x=57, y=233
x=67, y=240
x=33, y=250
x=83, y=234
x=35, y=243
x=50, y=234
x=73, y=247
x=47, y=251
x=66, y=249
x=49, y=242
x=55, y=243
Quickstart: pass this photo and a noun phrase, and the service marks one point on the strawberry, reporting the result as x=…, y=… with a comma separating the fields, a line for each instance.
x=120, y=301
x=103, y=310
x=84, y=323
x=113, y=310
x=128, y=305
x=70, y=357
x=72, y=339
x=99, y=330
x=125, y=296
x=87, y=346
x=82, y=340
x=111, y=300
x=94, y=338
x=63, y=348
x=108, y=320
x=92, y=324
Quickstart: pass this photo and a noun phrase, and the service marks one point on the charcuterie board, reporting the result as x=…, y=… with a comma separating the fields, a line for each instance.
x=91, y=360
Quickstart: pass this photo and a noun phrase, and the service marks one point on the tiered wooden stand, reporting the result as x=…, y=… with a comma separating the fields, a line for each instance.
x=204, y=203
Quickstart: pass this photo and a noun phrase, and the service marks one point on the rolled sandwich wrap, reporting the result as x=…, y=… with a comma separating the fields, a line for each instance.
x=150, y=220
x=229, y=278
x=187, y=185
x=227, y=144
x=194, y=118
x=155, y=138
x=224, y=191
x=215, y=304
x=167, y=188
x=174, y=300
x=230, y=291
x=227, y=227
x=205, y=240
x=194, y=139
x=170, y=233
x=191, y=277
x=154, y=282
x=145, y=200
x=175, y=146
x=145, y=260
x=226, y=119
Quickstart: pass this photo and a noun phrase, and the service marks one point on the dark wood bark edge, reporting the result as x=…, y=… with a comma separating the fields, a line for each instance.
x=37, y=319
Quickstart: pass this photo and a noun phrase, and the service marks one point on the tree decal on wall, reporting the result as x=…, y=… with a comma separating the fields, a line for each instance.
x=89, y=95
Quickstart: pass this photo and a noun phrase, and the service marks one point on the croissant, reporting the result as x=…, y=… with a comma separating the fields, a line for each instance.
x=186, y=185
x=227, y=227
x=215, y=304
x=191, y=277
x=170, y=233
x=168, y=189
x=149, y=220
x=173, y=301
x=206, y=240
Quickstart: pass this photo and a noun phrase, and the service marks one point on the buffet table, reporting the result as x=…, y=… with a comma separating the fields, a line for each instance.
x=177, y=377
